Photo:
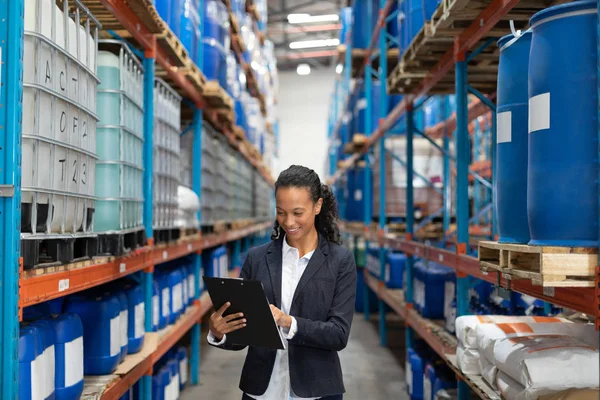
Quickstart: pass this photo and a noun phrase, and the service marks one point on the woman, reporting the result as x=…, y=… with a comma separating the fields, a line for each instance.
x=310, y=281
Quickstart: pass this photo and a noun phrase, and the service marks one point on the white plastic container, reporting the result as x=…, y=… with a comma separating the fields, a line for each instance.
x=166, y=143
x=59, y=120
x=119, y=174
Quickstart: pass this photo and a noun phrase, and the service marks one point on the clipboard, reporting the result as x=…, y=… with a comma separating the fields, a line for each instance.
x=248, y=297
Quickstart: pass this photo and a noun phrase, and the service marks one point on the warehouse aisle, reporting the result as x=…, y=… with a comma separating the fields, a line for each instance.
x=370, y=371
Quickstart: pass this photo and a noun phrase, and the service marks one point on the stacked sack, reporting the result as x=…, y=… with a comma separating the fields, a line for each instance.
x=528, y=357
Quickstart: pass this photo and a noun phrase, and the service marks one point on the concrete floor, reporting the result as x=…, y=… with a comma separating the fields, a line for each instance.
x=370, y=371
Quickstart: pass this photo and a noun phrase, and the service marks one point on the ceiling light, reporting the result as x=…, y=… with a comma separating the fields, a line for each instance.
x=307, y=44
x=303, y=69
x=307, y=18
x=339, y=68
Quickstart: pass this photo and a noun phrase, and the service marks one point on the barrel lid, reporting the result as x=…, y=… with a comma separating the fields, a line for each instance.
x=562, y=10
x=503, y=42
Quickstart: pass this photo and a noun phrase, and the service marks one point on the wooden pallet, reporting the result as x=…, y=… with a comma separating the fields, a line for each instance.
x=545, y=266
x=172, y=46
x=216, y=96
x=437, y=37
x=239, y=133
x=359, y=55
x=143, y=9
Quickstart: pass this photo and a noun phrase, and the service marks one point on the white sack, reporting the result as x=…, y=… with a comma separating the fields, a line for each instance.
x=488, y=371
x=465, y=325
x=553, y=362
x=487, y=334
x=512, y=390
x=468, y=360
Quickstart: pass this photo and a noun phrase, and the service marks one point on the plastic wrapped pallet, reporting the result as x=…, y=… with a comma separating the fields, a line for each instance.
x=468, y=360
x=466, y=325
x=488, y=371
x=488, y=334
x=553, y=362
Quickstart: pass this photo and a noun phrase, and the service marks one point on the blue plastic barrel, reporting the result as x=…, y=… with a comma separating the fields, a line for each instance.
x=346, y=22
x=362, y=29
x=562, y=196
x=395, y=270
x=213, y=21
x=190, y=28
x=31, y=348
x=164, y=9
x=404, y=35
x=431, y=112
x=360, y=109
x=136, y=314
x=213, y=59
x=68, y=350
x=182, y=358
x=429, y=7
x=169, y=12
x=48, y=357
x=101, y=340
x=393, y=25
x=512, y=139
x=416, y=17
x=123, y=323
x=176, y=293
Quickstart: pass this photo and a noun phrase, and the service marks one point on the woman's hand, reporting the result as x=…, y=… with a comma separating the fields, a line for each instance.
x=220, y=326
x=282, y=319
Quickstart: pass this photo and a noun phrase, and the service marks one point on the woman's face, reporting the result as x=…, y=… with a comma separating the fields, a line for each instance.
x=296, y=211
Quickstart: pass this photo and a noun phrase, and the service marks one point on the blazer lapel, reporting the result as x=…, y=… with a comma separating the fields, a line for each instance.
x=274, y=263
x=316, y=262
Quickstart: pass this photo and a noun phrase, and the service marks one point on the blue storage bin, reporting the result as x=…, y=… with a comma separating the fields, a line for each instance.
x=213, y=63
x=136, y=318
x=68, y=333
x=562, y=192
x=160, y=384
x=182, y=358
x=101, y=341
x=176, y=293
x=414, y=374
x=512, y=140
x=429, y=281
x=214, y=23
x=395, y=270
x=48, y=358
x=164, y=299
x=31, y=348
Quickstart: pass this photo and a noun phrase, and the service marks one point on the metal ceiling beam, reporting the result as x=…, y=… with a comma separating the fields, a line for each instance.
x=297, y=7
x=309, y=54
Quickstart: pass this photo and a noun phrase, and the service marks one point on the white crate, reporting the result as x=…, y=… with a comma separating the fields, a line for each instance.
x=120, y=143
x=166, y=143
x=59, y=121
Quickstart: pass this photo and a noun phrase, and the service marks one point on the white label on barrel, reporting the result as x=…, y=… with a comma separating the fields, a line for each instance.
x=183, y=372
x=115, y=340
x=409, y=375
x=426, y=387
x=140, y=318
x=165, y=303
x=36, y=370
x=177, y=297
x=192, y=286
x=539, y=112
x=124, y=338
x=51, y=362
x=504, y=120
x=155, y=310
x=63, y=285
x=74, y=361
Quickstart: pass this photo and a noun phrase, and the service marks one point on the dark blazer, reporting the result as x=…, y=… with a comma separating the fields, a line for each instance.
x=323, y=306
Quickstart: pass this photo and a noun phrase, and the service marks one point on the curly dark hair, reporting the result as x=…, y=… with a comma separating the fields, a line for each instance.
x=326, y=221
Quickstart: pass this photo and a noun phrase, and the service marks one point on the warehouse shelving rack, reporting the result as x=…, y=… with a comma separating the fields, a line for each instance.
x=17, y=289
x=467, y=45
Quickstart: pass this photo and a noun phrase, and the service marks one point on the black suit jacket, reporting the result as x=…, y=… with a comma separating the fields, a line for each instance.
x=323, y=306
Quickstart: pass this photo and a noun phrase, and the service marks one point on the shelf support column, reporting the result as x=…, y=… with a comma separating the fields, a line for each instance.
x=383, y=110
x=149, y=63
x=462, y=192
x=11, y=94
x=447, y=178
x=410, y=213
